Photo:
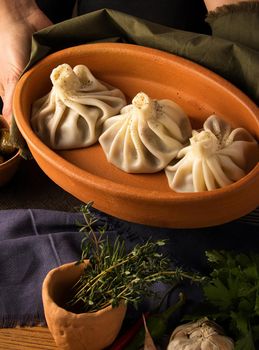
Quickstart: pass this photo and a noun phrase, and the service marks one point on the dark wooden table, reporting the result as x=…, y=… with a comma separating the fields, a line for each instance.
x=35, y=338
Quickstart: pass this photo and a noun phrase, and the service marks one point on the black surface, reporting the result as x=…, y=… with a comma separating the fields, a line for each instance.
x=180, y=14
x=31, y=188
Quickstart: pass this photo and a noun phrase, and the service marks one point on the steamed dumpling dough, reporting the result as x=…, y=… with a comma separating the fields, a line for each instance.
x=72, y=114
x=146, y=135
x=216, y=157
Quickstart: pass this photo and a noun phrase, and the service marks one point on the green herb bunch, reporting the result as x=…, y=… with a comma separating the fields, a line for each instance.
x=232, y=295
x=115, y=275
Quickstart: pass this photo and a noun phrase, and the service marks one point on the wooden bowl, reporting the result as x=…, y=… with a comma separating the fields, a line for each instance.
x=143, y=198
x=10, y=166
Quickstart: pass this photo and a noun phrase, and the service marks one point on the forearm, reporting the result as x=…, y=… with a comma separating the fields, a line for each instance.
x=213, y=4
x=19, y=19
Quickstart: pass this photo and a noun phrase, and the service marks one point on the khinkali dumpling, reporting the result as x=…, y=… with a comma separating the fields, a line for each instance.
x=72, y=114
x=146, y=135
x=216, y=157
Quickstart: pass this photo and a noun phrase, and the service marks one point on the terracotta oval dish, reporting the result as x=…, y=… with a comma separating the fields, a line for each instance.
x=143, y=198
x=9, y=167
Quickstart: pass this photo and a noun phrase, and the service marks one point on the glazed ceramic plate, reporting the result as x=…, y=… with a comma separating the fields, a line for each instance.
x=144, y=198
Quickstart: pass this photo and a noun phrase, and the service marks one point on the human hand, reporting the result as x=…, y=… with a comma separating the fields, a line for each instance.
x=19, y=20
x=213, y=4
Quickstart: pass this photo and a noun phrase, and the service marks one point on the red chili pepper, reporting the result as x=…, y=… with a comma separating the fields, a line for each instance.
x=125, y=338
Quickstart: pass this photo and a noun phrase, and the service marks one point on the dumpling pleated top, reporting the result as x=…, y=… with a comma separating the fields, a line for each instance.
x=217, y=156
x=71, y=115
x=146, y=135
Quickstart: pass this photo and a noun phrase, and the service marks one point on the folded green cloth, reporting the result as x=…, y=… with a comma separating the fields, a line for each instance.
x=237, y=61
x=237, y=22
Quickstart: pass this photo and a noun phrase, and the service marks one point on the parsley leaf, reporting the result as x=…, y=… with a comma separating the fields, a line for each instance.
x=232, y=290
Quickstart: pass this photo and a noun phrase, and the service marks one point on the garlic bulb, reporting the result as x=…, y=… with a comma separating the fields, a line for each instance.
x=200, y=335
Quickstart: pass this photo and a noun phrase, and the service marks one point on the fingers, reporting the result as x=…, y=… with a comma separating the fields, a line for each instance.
x=7, y=98
x=16, y=45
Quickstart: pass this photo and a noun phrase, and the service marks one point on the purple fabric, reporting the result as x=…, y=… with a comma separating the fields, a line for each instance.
x=34, y=241
x=31, y=243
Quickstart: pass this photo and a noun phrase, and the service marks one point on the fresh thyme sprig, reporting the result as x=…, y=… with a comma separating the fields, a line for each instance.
x=114, y=275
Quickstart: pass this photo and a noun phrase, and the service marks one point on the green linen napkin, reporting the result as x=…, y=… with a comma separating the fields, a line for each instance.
x=237, y=22
x=235, y=61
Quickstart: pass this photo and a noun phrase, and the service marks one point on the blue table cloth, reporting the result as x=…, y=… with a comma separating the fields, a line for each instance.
x=32, y=242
